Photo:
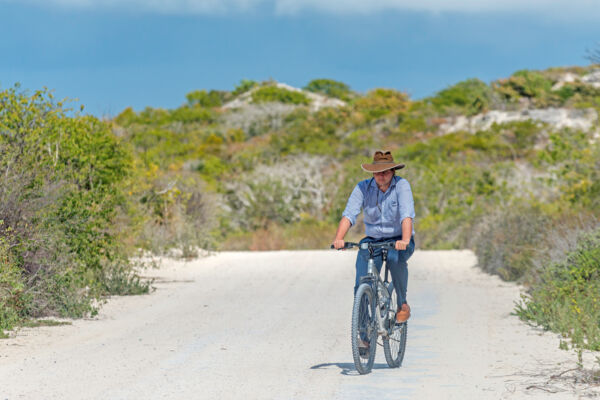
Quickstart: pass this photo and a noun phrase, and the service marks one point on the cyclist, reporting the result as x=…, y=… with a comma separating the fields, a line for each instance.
x=388, y=206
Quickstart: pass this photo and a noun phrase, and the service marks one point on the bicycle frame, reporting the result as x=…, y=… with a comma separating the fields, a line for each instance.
x=380, y=287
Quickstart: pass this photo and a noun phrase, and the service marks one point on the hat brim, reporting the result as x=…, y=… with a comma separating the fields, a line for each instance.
x=381, y=167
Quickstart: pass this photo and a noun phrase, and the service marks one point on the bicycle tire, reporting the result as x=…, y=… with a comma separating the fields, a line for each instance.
x=394, y=345
x=364, y=328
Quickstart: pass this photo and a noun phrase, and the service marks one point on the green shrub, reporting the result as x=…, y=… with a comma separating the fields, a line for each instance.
x=531, y=85
x=271, y=93
x=468, y=97
x=243, y=87
x=330, y=88
x=310, y=133
x=411, y=123
x=567, y=300
x=212, y=167
x=574, y=159
x=202, y=98
x=13, y=301
x=153, y=116
x=381, y=102
x=193, y=113
x=179, y=213
x=278, y=193
x=509, y=240
x=61, y=184
x=126, y=117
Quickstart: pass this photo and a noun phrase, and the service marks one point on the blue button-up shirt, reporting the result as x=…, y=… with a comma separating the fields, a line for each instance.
x=384, y=211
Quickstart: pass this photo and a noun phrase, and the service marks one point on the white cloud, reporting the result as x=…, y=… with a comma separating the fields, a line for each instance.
x=556, y=8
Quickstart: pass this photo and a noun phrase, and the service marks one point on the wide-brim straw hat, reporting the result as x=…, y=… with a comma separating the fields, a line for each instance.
x=382, y=162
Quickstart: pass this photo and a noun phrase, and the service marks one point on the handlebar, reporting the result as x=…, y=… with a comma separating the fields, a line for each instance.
x=348, y=245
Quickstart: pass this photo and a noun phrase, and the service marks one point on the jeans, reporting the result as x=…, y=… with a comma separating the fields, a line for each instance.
x=396, y=261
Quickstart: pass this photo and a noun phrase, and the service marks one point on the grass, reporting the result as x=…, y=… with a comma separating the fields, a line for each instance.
x=34, y=323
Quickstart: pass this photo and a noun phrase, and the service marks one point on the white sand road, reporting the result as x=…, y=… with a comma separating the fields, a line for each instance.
x=276, y=325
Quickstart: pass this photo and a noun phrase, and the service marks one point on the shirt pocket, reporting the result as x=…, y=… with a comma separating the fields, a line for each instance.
x=391, y=211
x=372, y=214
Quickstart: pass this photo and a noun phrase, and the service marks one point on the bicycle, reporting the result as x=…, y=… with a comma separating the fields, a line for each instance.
x=374, y=313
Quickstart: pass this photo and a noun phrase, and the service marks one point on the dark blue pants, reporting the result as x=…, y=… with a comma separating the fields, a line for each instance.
x=396, y=261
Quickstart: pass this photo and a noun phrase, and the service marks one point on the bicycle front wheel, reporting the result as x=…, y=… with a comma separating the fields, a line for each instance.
x=364, y=329
x=394, y=345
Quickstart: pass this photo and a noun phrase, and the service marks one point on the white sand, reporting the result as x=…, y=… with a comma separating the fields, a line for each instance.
x=275, y=325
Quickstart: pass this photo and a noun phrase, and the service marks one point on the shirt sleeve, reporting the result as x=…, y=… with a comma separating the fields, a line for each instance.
x=405, y=197
x=354, y=205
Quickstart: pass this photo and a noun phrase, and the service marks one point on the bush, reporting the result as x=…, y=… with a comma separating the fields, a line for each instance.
x=509, y=240
x=532, y=85
x=244, y=86
x=277, y=194
x=567, y=300
x=309, y=133
x=381, y=102
x=179, y=213
x=13, y=301
x=276, y=94
x=202, y=98
x=468, y=97
x=574, y=160
x=193, y=113
x=61, y=183
x=330, y=88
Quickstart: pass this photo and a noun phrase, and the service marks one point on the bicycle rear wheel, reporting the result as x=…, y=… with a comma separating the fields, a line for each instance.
x=394, y=345
x=364, y=329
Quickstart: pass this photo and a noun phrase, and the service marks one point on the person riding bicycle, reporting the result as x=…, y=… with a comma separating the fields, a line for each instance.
x=388, y=206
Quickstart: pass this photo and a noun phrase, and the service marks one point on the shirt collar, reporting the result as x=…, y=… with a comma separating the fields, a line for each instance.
x=395, y=179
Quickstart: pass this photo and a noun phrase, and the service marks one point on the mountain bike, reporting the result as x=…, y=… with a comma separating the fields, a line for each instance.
x=374, y=314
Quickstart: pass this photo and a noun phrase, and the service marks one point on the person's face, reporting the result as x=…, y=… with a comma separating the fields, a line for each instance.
x=383, y=178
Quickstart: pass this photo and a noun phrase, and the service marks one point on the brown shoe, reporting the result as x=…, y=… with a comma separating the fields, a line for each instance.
x=363, y=348
x=403, y=313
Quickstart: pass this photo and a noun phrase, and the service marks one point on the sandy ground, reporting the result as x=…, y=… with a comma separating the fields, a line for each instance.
x=276, y=325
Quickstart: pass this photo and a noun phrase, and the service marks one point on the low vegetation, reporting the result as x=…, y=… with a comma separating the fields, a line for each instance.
x=567, y=297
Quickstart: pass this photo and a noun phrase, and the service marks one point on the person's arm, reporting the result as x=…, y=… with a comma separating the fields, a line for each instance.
x=407, y=213
x=349, y=215
x=343, y=228
x=406, y=234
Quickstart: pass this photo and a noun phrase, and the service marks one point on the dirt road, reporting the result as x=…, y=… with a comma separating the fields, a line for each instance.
x=276, y=325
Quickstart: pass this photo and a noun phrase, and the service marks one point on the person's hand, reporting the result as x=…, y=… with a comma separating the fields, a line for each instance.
x=401, y=244
x=338, y=244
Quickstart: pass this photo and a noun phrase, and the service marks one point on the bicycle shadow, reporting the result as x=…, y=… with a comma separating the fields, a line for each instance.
x=347, y=368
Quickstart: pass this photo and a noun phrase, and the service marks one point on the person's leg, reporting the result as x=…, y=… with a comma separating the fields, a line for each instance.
x=362, y=259
x=399, y=271
x=398, y=266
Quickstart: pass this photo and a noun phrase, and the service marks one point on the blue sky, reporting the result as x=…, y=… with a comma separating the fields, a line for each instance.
x=112, y=54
